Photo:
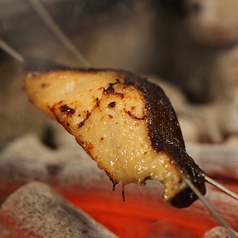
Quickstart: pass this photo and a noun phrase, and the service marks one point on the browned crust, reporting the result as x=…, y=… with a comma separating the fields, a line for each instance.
x=163, y=130
x=166, y=136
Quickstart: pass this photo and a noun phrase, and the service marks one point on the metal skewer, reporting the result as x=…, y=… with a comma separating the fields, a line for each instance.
x=52, y=25
x=221, y=187
x=58, y=32
x=34, y=64
x=8, y=49
x=210, y=208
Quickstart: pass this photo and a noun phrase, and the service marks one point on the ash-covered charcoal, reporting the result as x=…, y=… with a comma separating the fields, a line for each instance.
x=217, y=232
x=35, y=210
x=67, y=169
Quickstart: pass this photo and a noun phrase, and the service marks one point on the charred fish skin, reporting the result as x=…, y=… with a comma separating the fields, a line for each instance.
x=124, y=122
x=192, y=171
x=166, y=135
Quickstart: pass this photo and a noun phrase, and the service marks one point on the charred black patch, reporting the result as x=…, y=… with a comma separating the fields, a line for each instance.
x=83, y=122
x=113, y=185
x=65, y=109
x=97, y=102
x=133, y=116
x=112, y=104
x=88, y=114
x=110, y=89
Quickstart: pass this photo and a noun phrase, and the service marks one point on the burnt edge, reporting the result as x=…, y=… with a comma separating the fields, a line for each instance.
x=165, y=135
x=65, y=109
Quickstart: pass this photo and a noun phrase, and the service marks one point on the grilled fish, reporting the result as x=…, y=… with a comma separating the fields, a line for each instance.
x=124, y=122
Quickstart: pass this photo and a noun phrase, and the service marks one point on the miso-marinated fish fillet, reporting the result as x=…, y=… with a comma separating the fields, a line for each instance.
x=125, y=123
